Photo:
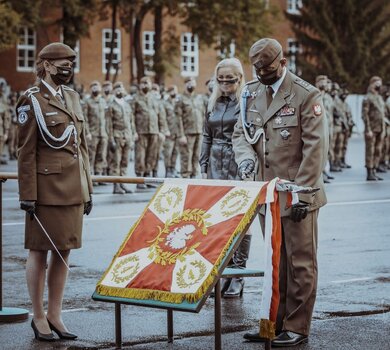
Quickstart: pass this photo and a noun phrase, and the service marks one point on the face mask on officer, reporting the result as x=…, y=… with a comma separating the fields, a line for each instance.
x=270, y=77
x=107, y=91
x=63, y=74
x=145, y=87
x=377, y=86
x=190, y=86
x=95, y=90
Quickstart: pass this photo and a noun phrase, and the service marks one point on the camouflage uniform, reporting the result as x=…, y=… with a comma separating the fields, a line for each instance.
x=347, y=131
x=147, y=125
x=5, y=121
x=171, y=144
x=386, y=144
x=329, y=107
x=110, y=154
x=190, y=110
x=121, y=132
x=13, y=133
x=374, y=120
x=95, y=113
x=340, y=126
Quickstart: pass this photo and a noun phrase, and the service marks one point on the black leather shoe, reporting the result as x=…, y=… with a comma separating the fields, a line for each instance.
x=286, y=339
x=41, y=336
x=236, y=288
x=224, y=282
x=62, y=335
x=254, y=337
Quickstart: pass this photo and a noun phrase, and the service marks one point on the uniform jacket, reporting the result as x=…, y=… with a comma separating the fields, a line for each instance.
x=5, y=119
x=190, y=110
x=120, y=120
x=339, y=116
x=95, y=113
x=148, y=116
x=171, y=117
x=329, y=107
x=295, y=136
x=46, y=175
x=373, y=112
x=217, y=156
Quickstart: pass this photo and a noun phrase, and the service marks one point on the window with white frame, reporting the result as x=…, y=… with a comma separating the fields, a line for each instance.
x=294, y=6
x=189, y=55
x=148, y=50
x=116, y=54
x=228, y=51
x=77, y=60
x=293, y=50
x=26, y=49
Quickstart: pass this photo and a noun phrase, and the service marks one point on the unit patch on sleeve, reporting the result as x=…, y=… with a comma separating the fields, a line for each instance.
x=317, y=110
x=22, y=115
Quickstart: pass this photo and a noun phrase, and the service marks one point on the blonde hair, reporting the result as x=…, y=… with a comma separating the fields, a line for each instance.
x=236, y=66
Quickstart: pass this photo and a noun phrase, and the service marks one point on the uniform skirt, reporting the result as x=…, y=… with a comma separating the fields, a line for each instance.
x=63, y=224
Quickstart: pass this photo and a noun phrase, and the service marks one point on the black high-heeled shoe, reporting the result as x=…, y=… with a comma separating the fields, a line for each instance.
x=236, y=288
x=62, y=335
x=41, y=336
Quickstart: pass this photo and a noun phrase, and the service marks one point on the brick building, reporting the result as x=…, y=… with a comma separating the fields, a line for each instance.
x=17, y=64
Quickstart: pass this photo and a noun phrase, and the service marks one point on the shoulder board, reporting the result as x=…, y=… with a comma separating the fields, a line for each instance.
x=307, y=86
x=65, y=87
x=32, y=90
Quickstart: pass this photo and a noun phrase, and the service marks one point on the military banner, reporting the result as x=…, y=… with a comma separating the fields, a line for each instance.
x=174, y=251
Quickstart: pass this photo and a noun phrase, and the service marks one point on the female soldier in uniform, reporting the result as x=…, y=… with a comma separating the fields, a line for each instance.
x=54, y=182
x=217, y=156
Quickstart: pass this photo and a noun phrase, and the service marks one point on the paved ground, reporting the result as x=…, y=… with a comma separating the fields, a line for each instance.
x=353, y=303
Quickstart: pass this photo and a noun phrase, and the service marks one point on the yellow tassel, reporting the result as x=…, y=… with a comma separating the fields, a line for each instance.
x=166, y=296
x=267, y=329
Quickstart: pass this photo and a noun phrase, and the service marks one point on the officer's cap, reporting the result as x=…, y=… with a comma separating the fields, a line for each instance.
x=170, y=88
x=95, y=82
x=187, y=79
x=264, y=51
x=321, y=77
x=374, y=79
x=56, y=51
x=118, y=84
x=107, y=83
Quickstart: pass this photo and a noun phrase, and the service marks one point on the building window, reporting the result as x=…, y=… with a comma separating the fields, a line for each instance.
x=77, y=60
x=148, y=51
x=293, y=49
x=26, y=49
x=229, y=51
x=294, y=6
x=189, y=55
x=116, y=55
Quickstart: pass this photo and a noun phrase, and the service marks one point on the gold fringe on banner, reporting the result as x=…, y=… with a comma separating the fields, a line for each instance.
x=267, y=329
x=166, y=296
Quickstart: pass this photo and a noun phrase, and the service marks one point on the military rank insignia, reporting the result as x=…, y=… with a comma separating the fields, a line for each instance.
x=22, y=115
x=287, y=111
x=317, y=110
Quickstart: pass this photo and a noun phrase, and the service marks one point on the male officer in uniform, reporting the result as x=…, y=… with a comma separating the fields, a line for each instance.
x=109, y=98
x=95, y=113
x=347, y=128
x=373, y=115
x=283, y=131
x=190, y=110
x=121, y=134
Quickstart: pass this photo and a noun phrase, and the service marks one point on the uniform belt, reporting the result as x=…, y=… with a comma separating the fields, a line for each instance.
x=222, y=142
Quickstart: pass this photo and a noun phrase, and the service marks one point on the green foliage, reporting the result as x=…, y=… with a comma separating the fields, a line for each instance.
x=218, y=23
x=348, y=40
x=9, y=22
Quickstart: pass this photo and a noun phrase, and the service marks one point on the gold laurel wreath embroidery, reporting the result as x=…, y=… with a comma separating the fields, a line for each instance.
x=200, y=265
x=242, y=197
x=134, y=269
x=166, y=257
x=179, y=196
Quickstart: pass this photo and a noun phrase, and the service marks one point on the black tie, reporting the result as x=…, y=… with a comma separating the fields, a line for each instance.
x=269, y=93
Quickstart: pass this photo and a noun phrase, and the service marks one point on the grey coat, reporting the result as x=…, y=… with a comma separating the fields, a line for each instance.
x=217, y=156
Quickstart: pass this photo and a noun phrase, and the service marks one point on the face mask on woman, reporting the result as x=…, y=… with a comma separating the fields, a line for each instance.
x=62, y=76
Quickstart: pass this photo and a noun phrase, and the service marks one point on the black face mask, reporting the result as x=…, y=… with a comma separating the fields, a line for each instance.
x=119, y=95
x=173, y=95
x=107, y=92
x=145, y=90
x=63, y=75
x=377, y=88
x=269, y=78
x=95, y=93
x=190, y=89
x=227, y=81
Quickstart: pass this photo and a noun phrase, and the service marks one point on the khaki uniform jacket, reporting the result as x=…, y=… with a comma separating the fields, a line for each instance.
x=171, y=117
x=46, y=175
x=329, y=107
x=148, y=116
x=5, y=119
x=295, y=144
x=373, y=112
x=190, y=110
x=340, y=118
x=120, y=120
x=95, y=113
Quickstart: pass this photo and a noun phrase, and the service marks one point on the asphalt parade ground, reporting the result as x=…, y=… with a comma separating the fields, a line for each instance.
x=352, y=310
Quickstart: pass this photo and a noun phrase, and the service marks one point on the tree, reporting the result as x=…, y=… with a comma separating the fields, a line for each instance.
x=348, y=40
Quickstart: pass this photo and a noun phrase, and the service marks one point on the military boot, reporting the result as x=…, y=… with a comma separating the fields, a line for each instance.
x=150, y=185
x=126, y=189
x=118, y=189
x=240, y=257
x=376, y=176
x=381, y=168
x=224, y=282
x=344, y=164
x=370, y=175
x=333, y=167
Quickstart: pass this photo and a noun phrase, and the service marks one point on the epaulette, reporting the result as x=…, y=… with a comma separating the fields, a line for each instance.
x=307, y=86
x=30, y=91
x=65, y=87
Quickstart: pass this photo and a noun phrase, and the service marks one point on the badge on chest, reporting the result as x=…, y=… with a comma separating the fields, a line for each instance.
x=287, y=111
